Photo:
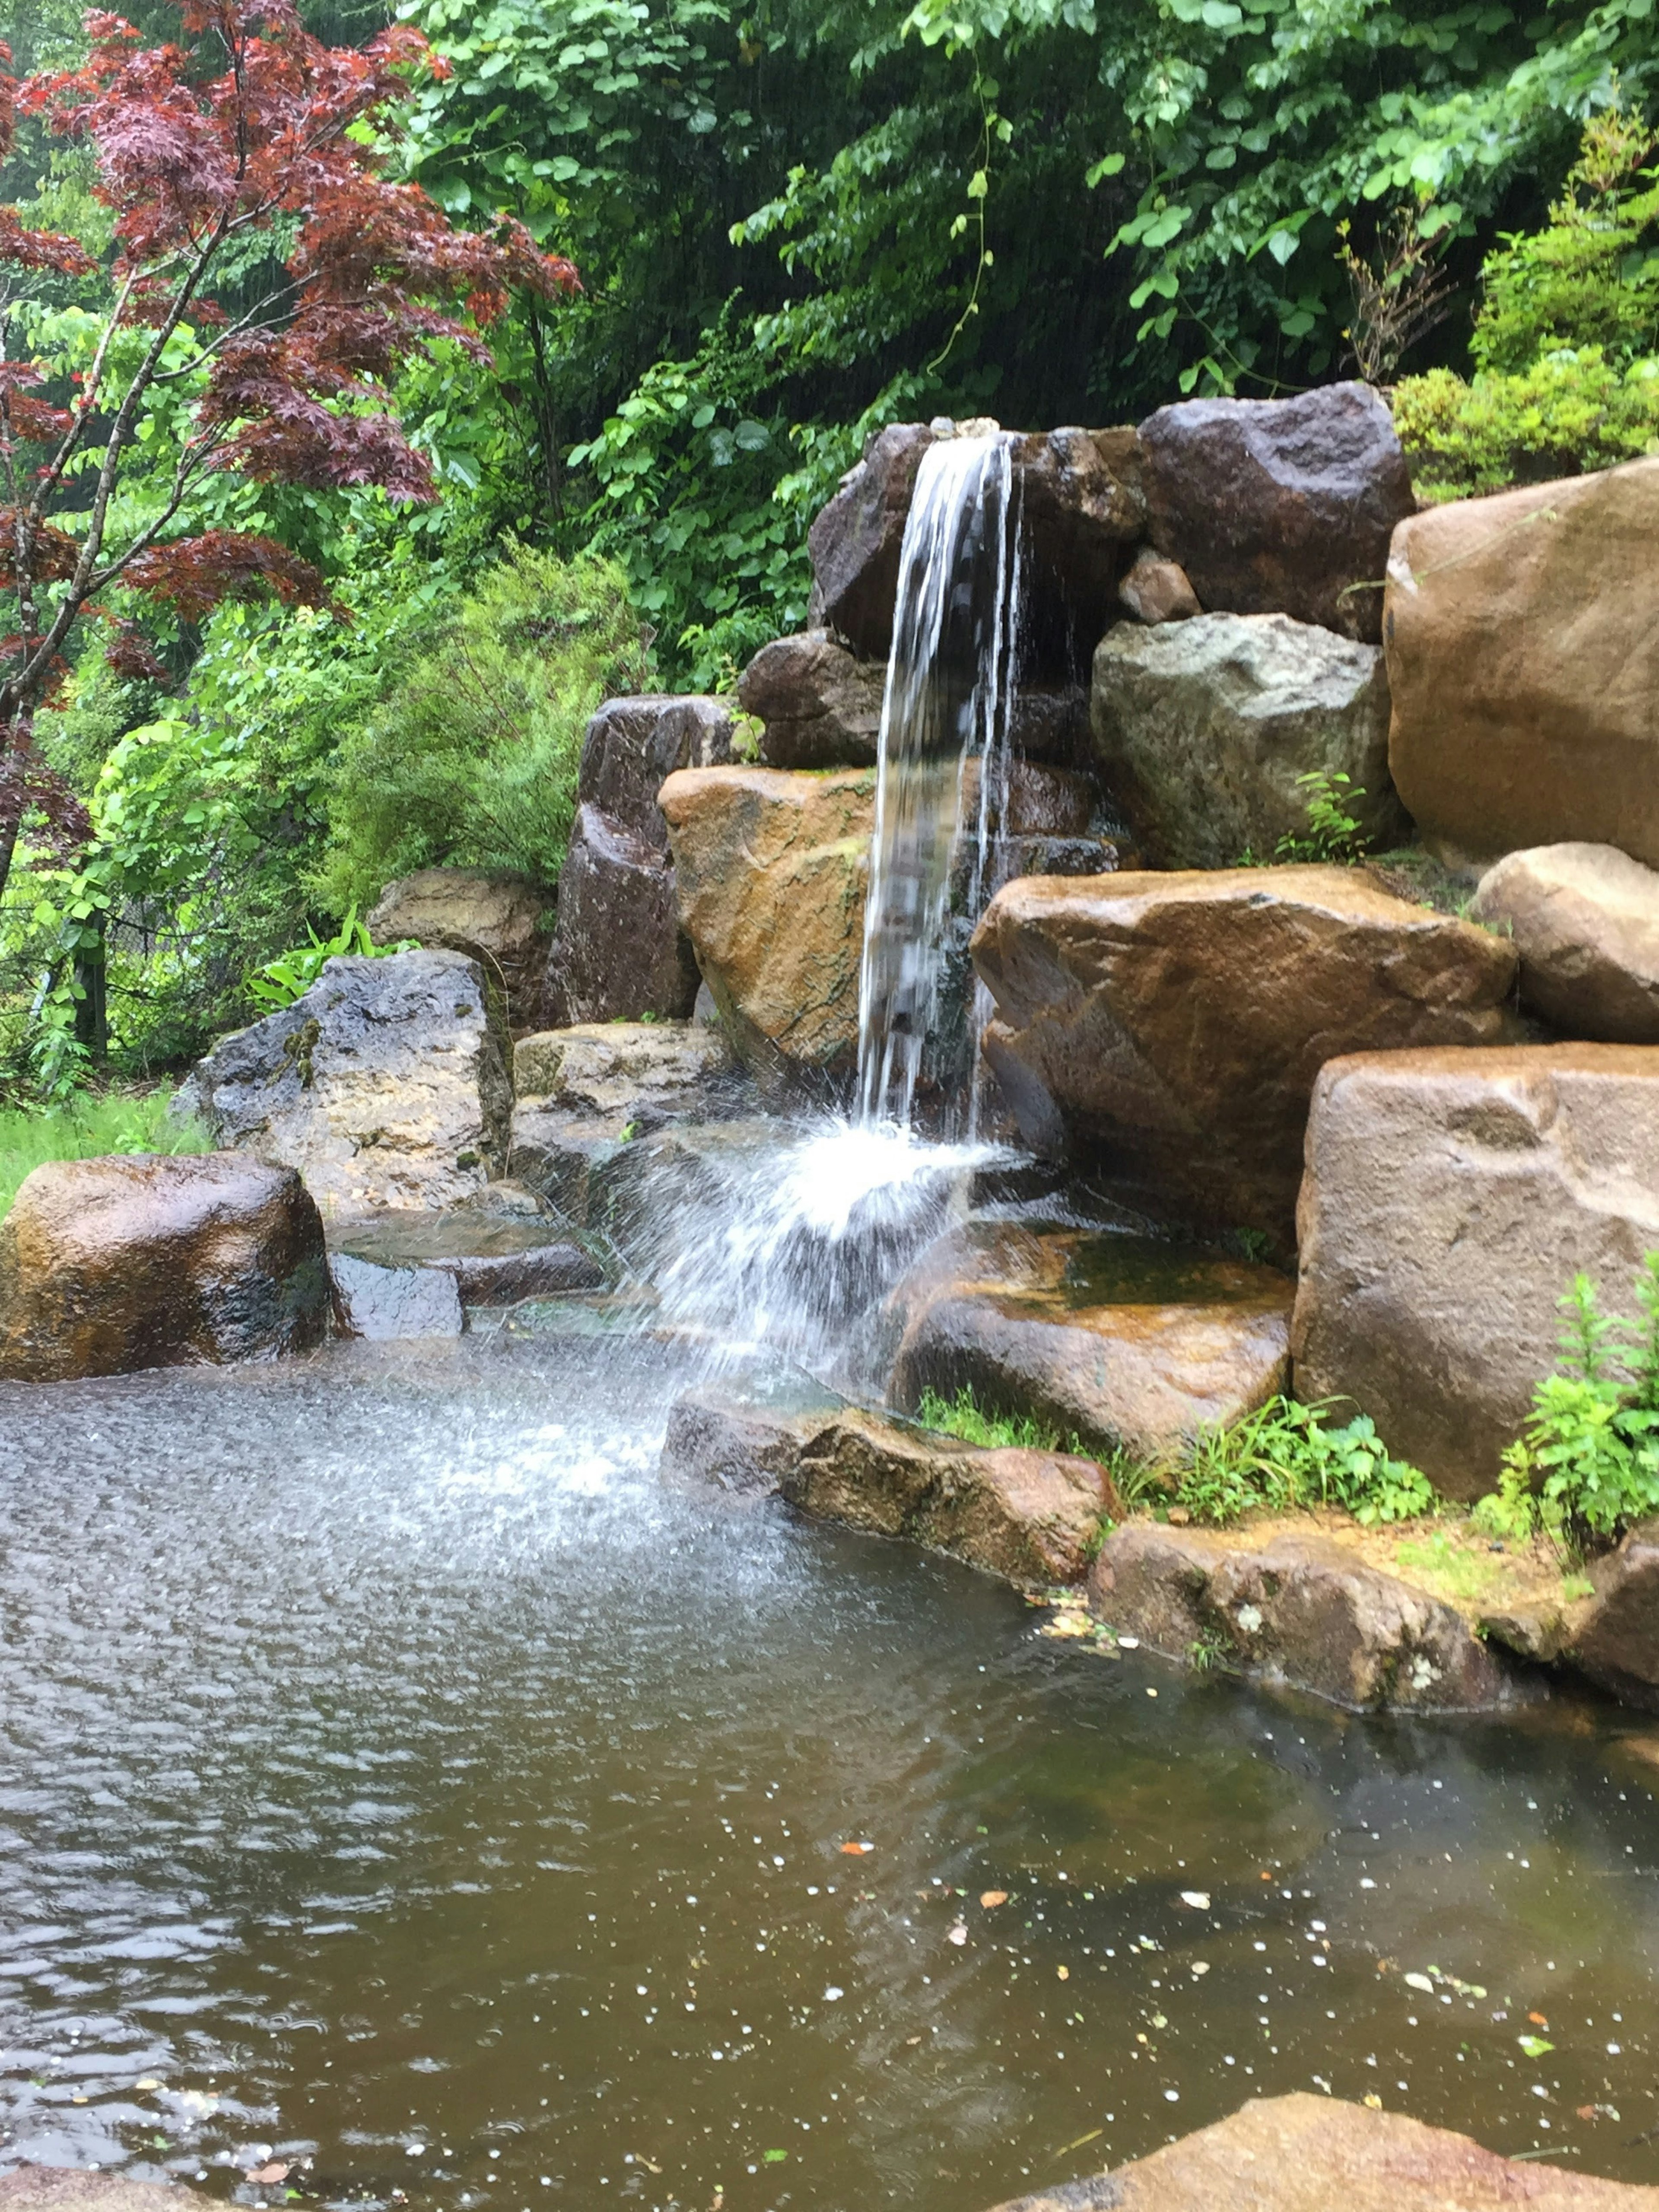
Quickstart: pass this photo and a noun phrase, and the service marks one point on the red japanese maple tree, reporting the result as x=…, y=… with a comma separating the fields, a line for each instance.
x=251, y=125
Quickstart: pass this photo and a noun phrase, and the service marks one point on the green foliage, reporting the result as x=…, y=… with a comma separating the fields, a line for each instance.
x=1566, y=342
x=963, y=1416
x=471, y=760
x=291, y=974
x=88, y=1128
x=1333, y=834
x=1587, y=1464
x=1283, y=1457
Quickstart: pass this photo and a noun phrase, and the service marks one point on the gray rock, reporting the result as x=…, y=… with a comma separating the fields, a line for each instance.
x=1280, y=506
x=386, y=1085
x=503, y=922
x=1202, y=728
x=383, y=1302
x=492, y=1262
x=741, y=1444
x=1615, y=1639
x=1449, y=1201
x=855, y=541
x=109, y=1266
x=618, y=950
x=1585, y=921
x=1050, y=722
x=820, y=704
x=1158, y=591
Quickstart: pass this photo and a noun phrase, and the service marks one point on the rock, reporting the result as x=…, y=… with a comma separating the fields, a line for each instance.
x=737, y=1443
x=1125, y=1342
x=821, y=705
x=1166, y=1030
x=1585, y=920
x=109, y=1266
x=1027, y=1515
x=1450, y=1197
x=383, y=1302
x=855, y=541
x=1307, y=2153
x=386, y=1085
x=1158, y=591
x=1615, y=1639
x=1203, y=728
x=1050, y=722
x=1280, y=506
x=1524, y=660
x=491, y=1263
x=617, y=952
x=503, y=922
x=68, y=2189
x=1299, y=1610
x=771, y=871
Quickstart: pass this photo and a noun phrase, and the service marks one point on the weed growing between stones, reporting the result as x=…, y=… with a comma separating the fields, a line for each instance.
x=1283, y=1457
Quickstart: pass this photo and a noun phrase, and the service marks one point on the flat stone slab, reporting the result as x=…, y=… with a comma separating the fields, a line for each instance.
x=68, y=2189
x=1307, y=2153
x=414, y=1274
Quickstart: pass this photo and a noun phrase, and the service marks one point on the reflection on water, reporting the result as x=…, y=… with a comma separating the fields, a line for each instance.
x=397, y=1777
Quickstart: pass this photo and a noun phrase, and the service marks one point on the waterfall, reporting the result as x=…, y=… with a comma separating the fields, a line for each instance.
x=943, y=741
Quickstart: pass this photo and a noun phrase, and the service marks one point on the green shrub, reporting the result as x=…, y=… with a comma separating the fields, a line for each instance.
x=88, y=1128
x=1333, y=834
x=1284, y=1457
x=288, y=977
x=1587, y=1464
x=471, y=761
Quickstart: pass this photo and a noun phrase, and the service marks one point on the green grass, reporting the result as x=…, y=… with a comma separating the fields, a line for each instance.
x=87, y=1128
x=963, y=1416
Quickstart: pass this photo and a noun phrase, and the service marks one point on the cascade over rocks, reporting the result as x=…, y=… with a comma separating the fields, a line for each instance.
x=386, y=1085
x=617, y=952
x=821, y=705
x=1296, y=1609
x=1166, y=1030
x=1450, y=1197
x=499, y=920
x=771, y=872
x=1585, y=921
x=1202, y=728
x=1126, y=1341
x=1524, y=660
x=1280, y=506
x=109, y=1266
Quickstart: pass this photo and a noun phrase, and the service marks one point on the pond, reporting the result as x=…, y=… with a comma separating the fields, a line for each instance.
x=405, y=1786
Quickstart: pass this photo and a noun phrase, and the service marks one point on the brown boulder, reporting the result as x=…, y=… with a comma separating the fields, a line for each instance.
x=1449, y=1199
x=739, y=1444
x=501, y=921
x=618, y=952
x=1299, y=1610
x=1307, y=2153
x=821, y=705
x=1155, y=590
x=1166, y=1029
x=1125, y=1342
x=1029, y=1516
x=771, y=868
x=855, y=541
x=1615, y=1639
x=109, y=1266
x=1280, y=506
x=1524, y=658
x=1585, y=921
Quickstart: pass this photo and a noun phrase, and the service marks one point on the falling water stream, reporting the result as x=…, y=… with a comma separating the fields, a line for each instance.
x=409, y=1796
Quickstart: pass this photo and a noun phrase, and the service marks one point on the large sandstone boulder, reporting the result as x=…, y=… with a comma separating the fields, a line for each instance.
x=1585, y=921
x=1280, y=506
x=1523, y=659
x=1307, y=2153
x=771, y=869
x=1127, y=1342
x=1166, y=1030
x=820, y=704
x=386, y=1085
x=108, y=1266
x=1203, y=728
x=1298, y=1609
x=499, y=920
x=1451, y=1198
x=617, y=952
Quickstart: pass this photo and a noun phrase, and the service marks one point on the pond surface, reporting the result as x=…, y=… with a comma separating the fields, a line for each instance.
x=401, y=1784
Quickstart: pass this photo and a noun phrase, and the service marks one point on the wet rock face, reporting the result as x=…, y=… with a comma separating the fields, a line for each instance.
x=1615, y=1639
x=109, y=1266
x=1166, y=1030
x=1585, y=921
x=1450, y=1197
x=414, y=1274
x=386, y=1085
x=771, y=872
x=1307, y=2153
x=820, y=704
x=1155, y=590
x=617, y=950
x=717, y=1439
x=501, y=921
x=1121, y=1341
x=1297, y=1610
x=855, y=541
x=1203, y=727
x=1280, y=506
x=1523, y=661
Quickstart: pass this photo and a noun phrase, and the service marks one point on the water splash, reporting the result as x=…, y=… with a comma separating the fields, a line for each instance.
x=950, y=684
